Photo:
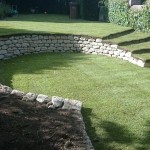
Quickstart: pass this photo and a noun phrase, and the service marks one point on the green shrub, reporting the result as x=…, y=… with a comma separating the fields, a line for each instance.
x=4, y=10
x=140, y=19
x=145, y=1
x=118, y=11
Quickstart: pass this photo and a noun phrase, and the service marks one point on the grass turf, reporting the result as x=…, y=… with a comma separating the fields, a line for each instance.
x=115, y=93
x=127, y=38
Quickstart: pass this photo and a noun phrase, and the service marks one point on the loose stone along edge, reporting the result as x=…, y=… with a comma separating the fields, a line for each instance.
x=16, y=45
x=52, y=103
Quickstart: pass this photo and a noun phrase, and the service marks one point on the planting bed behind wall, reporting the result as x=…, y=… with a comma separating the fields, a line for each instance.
x=16, y=45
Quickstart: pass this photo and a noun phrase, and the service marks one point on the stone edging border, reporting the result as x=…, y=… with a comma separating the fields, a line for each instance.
x=54, y=102
x=21, y=44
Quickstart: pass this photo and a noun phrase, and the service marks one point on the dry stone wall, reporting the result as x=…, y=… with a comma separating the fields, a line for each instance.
x=16, y=45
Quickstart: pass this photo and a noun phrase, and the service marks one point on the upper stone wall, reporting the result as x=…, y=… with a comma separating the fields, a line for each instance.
x=16, y=45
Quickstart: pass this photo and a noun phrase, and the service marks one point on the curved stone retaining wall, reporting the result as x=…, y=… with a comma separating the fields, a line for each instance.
x=16, y=45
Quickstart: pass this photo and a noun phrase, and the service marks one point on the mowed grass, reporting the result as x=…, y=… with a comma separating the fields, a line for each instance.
x=125, y=37
x=115, y=93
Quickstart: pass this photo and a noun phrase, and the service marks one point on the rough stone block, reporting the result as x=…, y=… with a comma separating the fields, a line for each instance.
x=66, y=41
x=8, y=42
x=91, y=40
x=64, y=37
x=5, y=89
x=2, y=43
x=4, y=47
x=40, y=37
x=111, y=52
x=122, y=54
x=3, y=52
x=116, y=53
x=106, y=45
x=128, y=54
x=76, y=38
x=102, y=47
x=82, y=38
x=72, y=104
x=140, y=63
x=42, y=98
x=86, y=42
x=91, y=50
x=25, y=44
x=30, y=97
x=43, y=48
x=70, y=37
x=98, y=40
x=94, y=43
x=105, y=51
x=17, y=52
x=17, y=93
x=60, y=41
x=94, y=53
x=114, y=46
x=46, y=37
x=96, y=47
x=57, y=101
x=109, y=48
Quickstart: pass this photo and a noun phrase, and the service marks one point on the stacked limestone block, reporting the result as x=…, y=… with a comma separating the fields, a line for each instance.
x=12, y=46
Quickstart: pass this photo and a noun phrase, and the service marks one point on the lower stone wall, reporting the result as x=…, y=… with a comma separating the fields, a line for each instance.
x=16, y=45
x=52, y=103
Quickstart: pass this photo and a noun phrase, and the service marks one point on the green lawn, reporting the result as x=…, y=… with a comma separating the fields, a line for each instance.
x=126, y=37
x=115, y=93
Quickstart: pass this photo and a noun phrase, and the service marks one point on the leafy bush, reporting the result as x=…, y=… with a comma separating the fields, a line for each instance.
x=145, y=1
x=140, y=19
x=4, y=10
x=118, y=11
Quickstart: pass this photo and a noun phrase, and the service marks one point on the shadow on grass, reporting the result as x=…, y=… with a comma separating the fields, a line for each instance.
x=145, y=142
x=12, y=31
x=36, y=64
x=118, y=34
x=114, y=133
x=8, y=31
x=132, y=42
x=47, y=18
x=141, y=51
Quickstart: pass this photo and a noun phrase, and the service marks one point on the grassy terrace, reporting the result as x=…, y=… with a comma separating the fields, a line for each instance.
x=137, y=42
x=115, y=93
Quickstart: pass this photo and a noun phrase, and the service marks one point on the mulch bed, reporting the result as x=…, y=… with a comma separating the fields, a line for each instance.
x=32, y=126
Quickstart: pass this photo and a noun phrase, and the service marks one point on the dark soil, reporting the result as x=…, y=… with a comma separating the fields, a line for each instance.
x=32, y=126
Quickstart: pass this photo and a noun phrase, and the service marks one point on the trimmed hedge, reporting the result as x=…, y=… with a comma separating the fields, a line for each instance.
x=140, y=20
x=120, y=13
